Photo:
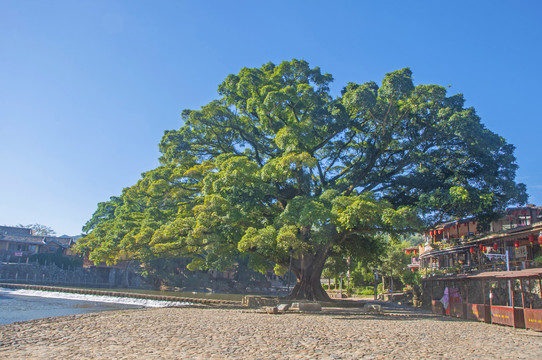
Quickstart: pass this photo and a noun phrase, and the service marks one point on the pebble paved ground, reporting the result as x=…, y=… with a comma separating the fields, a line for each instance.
x=198, y=333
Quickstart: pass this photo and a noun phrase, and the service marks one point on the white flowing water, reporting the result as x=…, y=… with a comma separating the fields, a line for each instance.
x=94, y=298
x=23, y=305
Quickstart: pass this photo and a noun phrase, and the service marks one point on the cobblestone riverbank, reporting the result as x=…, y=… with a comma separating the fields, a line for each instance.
x=220, y=333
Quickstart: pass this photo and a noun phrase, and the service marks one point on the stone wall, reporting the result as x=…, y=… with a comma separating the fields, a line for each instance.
x=53, y=275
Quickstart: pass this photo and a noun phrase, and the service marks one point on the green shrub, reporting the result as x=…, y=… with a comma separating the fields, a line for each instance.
x=411, y=278
x=368, y=291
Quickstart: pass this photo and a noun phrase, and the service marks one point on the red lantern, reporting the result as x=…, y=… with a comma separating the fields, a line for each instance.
x=431, y=232
x=472, y=250
x=516, y=244
x=495, y=246
x=540, y=238
x=484, y=249
x=531, y=239
x=440, y=232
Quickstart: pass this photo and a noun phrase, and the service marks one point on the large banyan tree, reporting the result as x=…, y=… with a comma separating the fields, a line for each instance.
x=277, y=168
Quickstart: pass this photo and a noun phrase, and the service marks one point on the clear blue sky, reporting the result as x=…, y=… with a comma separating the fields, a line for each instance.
x=87, y=88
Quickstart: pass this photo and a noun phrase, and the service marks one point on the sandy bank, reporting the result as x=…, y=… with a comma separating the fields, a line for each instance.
x=196, y=333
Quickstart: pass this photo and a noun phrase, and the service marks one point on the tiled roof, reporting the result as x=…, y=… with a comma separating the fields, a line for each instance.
x=11, y=230
x=65, y=241
x=36, y=240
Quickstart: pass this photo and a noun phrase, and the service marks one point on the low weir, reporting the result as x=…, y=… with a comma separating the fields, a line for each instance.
x=173, y=299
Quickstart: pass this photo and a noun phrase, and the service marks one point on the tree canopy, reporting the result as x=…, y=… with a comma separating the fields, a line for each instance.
x=38, y=229
x=277, y=167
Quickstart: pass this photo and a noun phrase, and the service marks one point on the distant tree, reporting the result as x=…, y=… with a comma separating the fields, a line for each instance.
x=278, y=166
x=335, y=267
x=394, y=262
x=38, y=229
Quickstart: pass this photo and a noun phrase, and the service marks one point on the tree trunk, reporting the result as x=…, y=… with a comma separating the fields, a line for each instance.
x=308, y=287
x=391, y=286
x=308, y=270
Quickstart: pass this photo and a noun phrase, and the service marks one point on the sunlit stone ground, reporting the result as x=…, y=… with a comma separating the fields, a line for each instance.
x=197, y=333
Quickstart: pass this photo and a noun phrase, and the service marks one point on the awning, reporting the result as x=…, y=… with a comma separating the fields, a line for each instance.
x=518, y=274
x=451, y=250
x=532, y=273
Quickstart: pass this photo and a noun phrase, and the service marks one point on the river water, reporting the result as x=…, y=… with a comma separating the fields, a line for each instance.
x=23, y=305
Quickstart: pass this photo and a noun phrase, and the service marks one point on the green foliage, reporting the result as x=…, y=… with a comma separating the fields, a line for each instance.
x=105, y=211
x=367, y=291
x=362, y=276
x=278, y=166
x=411, y=278
x=395, y=261
x=335, y=265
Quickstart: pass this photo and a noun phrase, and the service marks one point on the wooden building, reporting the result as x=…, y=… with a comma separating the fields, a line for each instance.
x=494, y=277
x=21, y=243
x=510, y=298
x=458, y=247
